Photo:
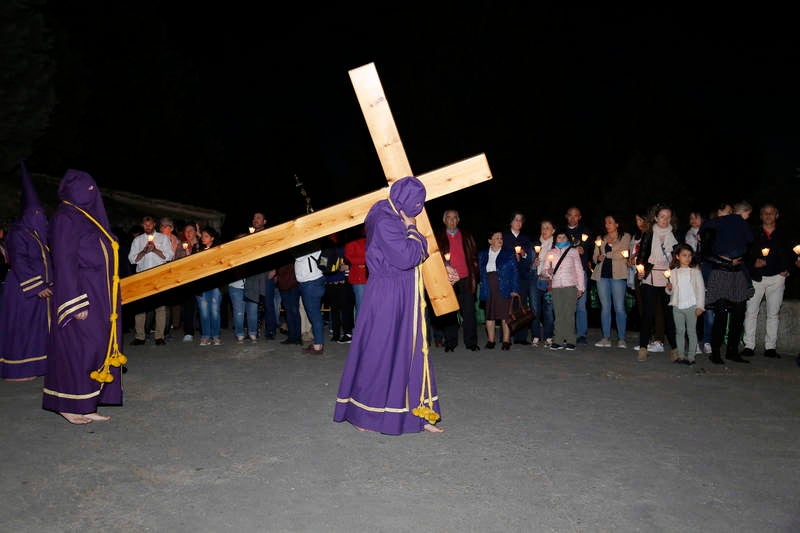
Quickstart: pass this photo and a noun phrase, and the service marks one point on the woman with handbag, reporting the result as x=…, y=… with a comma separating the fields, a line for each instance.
x=568, y=284
x=499, y=283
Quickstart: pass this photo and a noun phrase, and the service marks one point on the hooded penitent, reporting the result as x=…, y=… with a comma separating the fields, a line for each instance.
x=25, y=318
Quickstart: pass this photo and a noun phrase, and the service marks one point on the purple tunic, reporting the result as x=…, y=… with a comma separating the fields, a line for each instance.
x=386, y=365
x=84, y=269
x=25, y=317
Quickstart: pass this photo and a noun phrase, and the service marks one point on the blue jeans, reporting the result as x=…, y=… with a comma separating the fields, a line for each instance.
x=612, y=291
x=237, y=303
x=208, y=303
x=542, y=327
x=358, y=290
x=291, y=306
x=312, y=293
x=581, y=316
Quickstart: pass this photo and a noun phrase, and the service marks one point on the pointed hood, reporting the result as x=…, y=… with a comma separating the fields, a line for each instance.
x=79, y=188
x=408, y=194
x=33, y=215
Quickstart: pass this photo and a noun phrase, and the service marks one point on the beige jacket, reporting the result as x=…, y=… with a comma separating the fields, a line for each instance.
x=619, y=263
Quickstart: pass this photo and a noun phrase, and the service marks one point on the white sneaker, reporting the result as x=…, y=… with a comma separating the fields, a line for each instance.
x=655, y=346
x=698, y=351
x=707, y=347
x=621, y=344
x=535, y=342
x=603, y=343
x=188, y=338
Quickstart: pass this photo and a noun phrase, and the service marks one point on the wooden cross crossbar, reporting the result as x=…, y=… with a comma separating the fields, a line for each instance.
x=293, y=233
x=351, y=213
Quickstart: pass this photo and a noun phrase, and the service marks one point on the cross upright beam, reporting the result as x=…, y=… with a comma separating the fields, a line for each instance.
x=394, y=161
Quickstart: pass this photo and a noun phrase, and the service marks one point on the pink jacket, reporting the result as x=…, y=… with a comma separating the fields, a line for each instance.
x=570, y=272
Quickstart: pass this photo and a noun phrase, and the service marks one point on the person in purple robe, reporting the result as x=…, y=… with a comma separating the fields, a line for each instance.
x=84, y=358
x=25, y=316
x=388, y=384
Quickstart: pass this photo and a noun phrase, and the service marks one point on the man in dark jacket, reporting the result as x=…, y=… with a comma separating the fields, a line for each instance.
x=461, y=256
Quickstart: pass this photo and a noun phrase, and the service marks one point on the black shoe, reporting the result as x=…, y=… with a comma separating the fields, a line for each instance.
x=269, y=337
x=716, y=359
x=449, y=348
x=685, y=362
x=569, y=347
x=582, y=340
x=292, y=341
x=771, y=353
x=124, y=369
x=137, y=342
x=284, y=331
x=160, y=342
x=748, y=352
x=473, y=348
x=490, y=345
x=507, y=346
x=736, y=357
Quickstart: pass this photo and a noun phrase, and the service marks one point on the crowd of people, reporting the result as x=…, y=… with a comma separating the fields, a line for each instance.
x=698, y=291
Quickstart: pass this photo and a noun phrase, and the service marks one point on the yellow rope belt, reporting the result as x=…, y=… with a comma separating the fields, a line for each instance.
x=113, y=356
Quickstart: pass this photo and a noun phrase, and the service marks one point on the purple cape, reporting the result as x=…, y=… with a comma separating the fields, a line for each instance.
x=383, y=375
x=84, y=268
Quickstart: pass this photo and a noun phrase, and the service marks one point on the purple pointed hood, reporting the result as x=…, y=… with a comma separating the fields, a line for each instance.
x=33, y=215
x=408, y=194
x=79, y=188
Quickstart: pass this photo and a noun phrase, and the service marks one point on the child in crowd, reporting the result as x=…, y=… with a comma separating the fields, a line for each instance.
x=687, y=298
x=568, y=284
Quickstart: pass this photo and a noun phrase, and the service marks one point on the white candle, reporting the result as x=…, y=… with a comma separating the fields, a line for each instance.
x=538, y=248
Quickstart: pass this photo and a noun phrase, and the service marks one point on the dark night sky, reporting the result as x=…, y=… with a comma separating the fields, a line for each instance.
x=221, y=107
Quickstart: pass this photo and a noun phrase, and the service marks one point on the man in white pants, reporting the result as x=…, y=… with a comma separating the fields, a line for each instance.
x=770, y=269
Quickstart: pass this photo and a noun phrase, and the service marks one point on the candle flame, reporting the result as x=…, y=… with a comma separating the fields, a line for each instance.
x=625, y=253
x=185, y=245
x=640, y=269
x=150, y=238
x=667, y=273
x=598, y=242
x=796, y=249
x=251, y=229
x=765, y=252
x=447, y=256
x=518, y=249
x=584, y=237
x=538, y=248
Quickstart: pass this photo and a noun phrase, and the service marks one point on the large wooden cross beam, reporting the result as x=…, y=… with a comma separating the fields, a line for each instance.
x=330, y=220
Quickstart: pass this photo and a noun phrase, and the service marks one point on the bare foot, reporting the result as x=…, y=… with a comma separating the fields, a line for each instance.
x=74, y=418
x=21, y=379
x=97, y=416
x=432, y=429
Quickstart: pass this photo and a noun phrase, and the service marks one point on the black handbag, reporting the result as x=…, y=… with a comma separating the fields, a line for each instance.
x=521, y=317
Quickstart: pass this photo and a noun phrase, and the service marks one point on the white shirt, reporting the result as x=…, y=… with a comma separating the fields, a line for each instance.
x=491, y=265
x=151, y=259
x=306, y=267
x=685, y=290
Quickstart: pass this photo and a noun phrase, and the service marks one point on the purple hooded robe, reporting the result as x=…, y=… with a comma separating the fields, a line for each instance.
x=84, y=262
x=25, y=317
x=387, y=364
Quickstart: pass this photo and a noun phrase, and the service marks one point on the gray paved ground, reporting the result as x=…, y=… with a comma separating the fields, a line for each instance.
x=240, y=438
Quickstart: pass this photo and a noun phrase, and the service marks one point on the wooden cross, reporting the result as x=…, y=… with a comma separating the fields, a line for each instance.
x=336, y=218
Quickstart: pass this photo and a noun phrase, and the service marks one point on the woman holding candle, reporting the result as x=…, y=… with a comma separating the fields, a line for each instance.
x=611, y=274
x=209, y=301
x=541, y=301
x=653, y=259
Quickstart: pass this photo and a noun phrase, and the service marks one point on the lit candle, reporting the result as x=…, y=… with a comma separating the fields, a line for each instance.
x=625, y=253
x=150, y=238
x=640, y=269
x=518, y=249
x=598, y=242
x=185, y=245
x=796, y=249
x=550, y=257
x=447, y=258
x=538, y=248
x=251, y=229
x=667, y=274
x=584, y=237
x=765, y=252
